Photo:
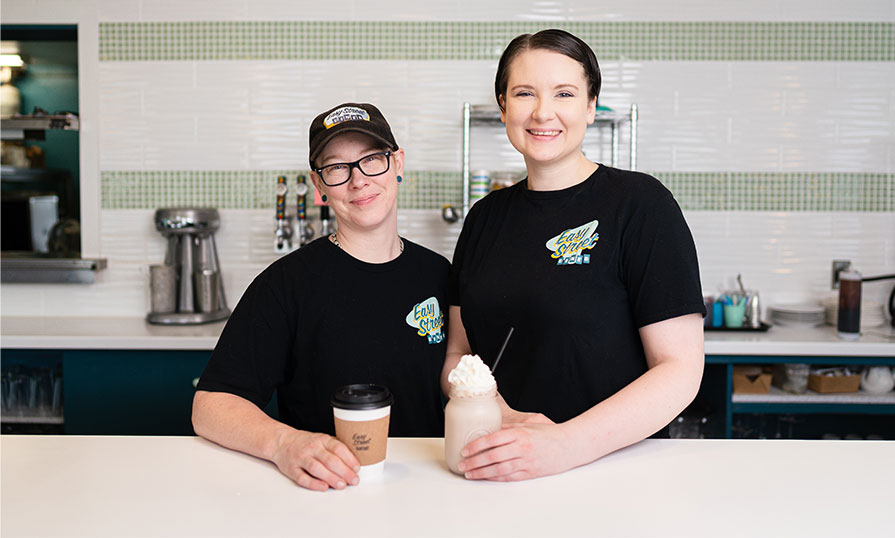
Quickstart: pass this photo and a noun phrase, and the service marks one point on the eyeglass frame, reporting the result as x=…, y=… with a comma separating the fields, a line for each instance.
x=356, y=164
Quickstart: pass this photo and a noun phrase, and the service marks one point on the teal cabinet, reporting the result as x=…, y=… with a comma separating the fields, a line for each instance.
x=116, y=392
x=827, y=412
x=130, y=392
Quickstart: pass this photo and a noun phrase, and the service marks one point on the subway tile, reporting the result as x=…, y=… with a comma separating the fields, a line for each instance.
x=194, y=10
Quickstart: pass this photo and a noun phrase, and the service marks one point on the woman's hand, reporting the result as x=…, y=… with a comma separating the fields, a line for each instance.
x=518, y=451
x=511, y=416
x=316, y=461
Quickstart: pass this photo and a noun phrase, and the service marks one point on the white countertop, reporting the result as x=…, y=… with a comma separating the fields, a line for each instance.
x=135, y=333
x=104, y=333
x=186, y=486
x=813, y=341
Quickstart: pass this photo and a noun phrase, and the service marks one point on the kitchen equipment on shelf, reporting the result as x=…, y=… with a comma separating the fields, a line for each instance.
x=734, y=310
x=489, y=115
x=796, y=314
x=191, y=251
x=791, y=377
x=877, y=379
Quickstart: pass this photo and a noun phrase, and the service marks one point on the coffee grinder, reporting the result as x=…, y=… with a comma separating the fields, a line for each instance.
x=189, y=284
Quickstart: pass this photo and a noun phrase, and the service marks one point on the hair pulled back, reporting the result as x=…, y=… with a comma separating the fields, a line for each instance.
x=554, y=40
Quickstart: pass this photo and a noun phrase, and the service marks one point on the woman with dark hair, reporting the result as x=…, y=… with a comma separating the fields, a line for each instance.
x=594, y=268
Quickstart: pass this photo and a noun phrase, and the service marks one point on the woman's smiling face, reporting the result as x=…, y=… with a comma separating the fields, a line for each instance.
x=546, y=106
x=363, y=202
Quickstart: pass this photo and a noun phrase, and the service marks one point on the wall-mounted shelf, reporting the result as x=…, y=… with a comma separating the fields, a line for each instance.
x=32, y=127
x=779, y=396
x=489, y=115
x=36, y=269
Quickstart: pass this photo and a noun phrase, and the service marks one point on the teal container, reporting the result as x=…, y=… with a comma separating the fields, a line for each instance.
x=734, y=315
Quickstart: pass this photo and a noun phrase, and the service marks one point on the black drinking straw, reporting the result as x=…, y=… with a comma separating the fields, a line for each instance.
x=503, y=347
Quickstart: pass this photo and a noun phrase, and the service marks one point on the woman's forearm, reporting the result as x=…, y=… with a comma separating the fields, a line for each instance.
x=634, y=413
x=237, y=423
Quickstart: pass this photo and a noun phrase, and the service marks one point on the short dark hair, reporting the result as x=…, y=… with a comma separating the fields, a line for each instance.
x=554, y=40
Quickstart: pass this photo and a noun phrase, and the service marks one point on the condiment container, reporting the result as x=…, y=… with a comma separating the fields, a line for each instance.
x=849, y=322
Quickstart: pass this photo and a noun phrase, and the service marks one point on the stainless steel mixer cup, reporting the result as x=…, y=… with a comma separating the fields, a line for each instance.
x=192, y=252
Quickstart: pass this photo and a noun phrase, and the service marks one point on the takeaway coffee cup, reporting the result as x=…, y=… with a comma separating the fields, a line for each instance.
x=361, y=414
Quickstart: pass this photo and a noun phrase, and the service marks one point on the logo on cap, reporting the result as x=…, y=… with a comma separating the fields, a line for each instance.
x=346, y=113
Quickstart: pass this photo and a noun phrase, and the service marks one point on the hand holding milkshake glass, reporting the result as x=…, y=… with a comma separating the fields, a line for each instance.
x=472, y=410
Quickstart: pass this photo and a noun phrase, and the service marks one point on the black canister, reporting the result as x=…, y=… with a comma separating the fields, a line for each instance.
x=849, y=320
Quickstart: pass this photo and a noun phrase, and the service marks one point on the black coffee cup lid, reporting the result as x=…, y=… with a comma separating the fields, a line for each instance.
x=362, y=396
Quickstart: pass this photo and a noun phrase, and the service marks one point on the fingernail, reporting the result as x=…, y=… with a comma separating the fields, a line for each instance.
x=461, y=466
x=356, y=468
x=466, y=475
x=464, y=453
x=354, y=481
x=340, y=484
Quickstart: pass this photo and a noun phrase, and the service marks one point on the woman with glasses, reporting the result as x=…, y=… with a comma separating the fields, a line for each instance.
x=593, y=267
x=362, y=305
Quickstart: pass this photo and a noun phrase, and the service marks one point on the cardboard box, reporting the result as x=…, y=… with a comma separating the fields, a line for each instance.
x=834, y=383
x=751, y=380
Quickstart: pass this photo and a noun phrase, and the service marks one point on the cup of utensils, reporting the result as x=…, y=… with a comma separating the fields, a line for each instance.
x=733, y=310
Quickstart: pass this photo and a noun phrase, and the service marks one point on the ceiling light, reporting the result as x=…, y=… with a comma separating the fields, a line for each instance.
x=11, y=60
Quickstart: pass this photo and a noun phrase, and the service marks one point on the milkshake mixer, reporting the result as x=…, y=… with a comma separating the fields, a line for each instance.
x=194, y=284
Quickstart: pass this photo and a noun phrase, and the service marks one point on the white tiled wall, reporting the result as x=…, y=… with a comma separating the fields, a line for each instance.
x=695, y=116
x=474, y=10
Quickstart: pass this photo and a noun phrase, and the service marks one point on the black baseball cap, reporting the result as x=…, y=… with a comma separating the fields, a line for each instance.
x=359, y=117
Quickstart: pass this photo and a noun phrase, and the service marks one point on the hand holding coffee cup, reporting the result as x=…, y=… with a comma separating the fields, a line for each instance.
x=361, y=413
x=315, y=461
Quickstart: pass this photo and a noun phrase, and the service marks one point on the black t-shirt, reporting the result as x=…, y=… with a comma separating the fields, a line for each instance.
x=318, y=319
x=576, y=272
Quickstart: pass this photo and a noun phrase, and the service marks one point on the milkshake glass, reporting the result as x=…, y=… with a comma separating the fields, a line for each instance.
x=472, y=410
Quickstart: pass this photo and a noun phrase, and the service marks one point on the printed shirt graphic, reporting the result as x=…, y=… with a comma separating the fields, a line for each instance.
x=569, y=246
x=426, y=317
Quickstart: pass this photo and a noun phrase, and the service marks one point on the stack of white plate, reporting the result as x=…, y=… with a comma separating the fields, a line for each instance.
x=797, y=315
x=872, y=313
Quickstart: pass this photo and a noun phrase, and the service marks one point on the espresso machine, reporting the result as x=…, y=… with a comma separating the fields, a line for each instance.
x=187, y=288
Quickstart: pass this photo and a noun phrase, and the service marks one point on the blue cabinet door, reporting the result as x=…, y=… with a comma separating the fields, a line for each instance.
x=130, y=392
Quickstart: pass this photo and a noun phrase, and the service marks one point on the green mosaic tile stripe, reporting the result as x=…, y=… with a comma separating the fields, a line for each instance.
x=232, y=189
x=694, y=191
x=227, y=189
x=378, y=40
x=430, y=190
x=792, y=191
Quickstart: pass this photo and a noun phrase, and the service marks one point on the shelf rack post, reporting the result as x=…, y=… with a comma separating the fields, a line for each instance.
x=466, y=120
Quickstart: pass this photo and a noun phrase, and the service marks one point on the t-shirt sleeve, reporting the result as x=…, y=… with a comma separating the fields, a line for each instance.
x=460, y=251
x=659, y=263
x=251, y=357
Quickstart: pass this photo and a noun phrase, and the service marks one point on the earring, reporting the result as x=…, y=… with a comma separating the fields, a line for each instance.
x=323, y=197
x=400, y=179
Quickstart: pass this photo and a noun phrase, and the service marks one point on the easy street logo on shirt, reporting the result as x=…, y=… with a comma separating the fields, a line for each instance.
x=568, y=246
x=427, y=319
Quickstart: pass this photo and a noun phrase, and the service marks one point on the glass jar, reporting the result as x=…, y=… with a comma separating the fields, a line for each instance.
x=468, y=416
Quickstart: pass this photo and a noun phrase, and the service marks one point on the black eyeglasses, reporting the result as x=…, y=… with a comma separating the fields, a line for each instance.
x=374, y=164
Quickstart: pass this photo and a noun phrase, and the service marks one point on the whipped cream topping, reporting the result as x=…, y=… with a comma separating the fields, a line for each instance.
x=471, y=374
